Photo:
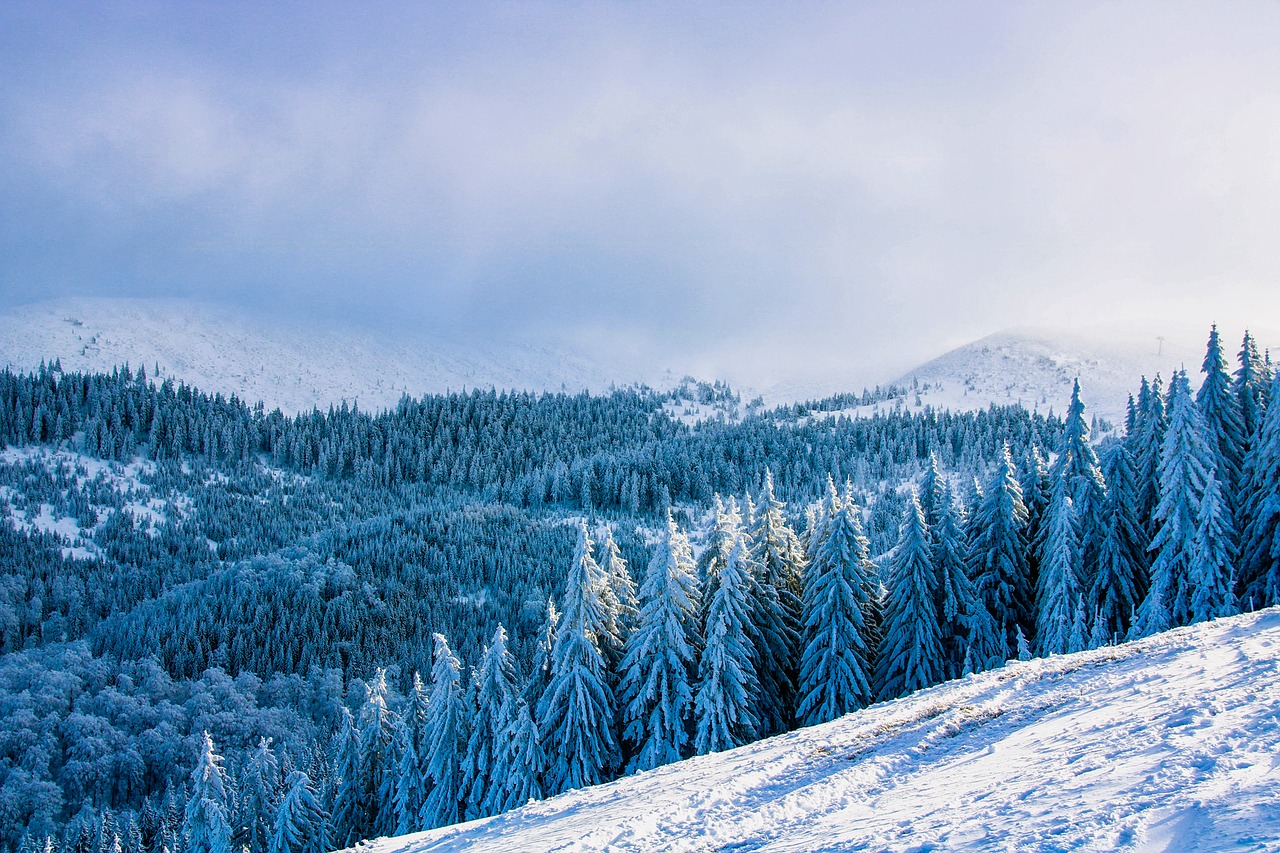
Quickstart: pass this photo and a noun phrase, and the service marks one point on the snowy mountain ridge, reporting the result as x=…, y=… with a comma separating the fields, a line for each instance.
x=1036, y=367
x=1167, y=744
x=290, y=365
x=297, y=367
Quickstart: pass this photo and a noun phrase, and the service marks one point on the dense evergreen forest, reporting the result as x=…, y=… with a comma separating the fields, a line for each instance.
x=227, y=628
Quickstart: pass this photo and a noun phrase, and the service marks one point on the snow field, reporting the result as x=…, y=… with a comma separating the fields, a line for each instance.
x=1168, y=744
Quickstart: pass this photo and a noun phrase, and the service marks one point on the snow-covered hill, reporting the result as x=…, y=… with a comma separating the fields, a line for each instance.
x=290, y=365
x=297, y=366
x=1035, y=367
x=1169, y=744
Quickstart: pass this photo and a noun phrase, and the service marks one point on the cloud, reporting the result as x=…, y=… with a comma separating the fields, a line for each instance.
x=810, y=188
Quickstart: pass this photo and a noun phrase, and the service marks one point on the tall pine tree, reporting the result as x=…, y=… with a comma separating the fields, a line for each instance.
x=911, y=651
x=1186, y=463
x=776, y=610
x=577, y=710
x=661, y=655
x=839, y=620
x=1121, y=581
x=724, y=706
x=1260, y=552
x=998, y=567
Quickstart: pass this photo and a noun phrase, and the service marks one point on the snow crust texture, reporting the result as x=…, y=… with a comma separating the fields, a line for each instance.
x=1168, y=744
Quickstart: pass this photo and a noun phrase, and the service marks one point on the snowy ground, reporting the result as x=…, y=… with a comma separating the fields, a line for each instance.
x=126, y=479
x=1170, y=744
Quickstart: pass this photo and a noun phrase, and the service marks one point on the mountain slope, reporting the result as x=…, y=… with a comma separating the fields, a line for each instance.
x=290, y=365
x=1035, y=367
x=1170, y=744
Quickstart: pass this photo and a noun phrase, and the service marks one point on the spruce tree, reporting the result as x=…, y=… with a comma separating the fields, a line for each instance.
x=348, y=813
x=1186, y=464
x=1059, y=597
x=444, y=739
x=776, y=611
x=839, y=620
x=259, y=799
x=576, y=715
x=525, y=761
x=1251, y=386
x=1077, y=464
x=724, y=706
x=956, y=598
x=411, y=775
x=206, y=827
x=495, y=703
x=1121, y=581
x=378, y=762
x=1212, y=566
x=998, y=567
x=659, y=665
x=540, y=671
x=299, y=825
x=911, y=651
x=1146, y=445
x=621, y=591
x=1260, y=540
x=1219, y=407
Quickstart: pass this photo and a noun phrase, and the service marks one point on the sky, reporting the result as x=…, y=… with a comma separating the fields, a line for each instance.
x=780, y=188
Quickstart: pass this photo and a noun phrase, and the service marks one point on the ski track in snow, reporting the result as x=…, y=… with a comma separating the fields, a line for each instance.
x=1169, y=744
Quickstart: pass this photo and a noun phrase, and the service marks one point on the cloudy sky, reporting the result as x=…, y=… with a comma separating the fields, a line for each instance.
x=786, y=186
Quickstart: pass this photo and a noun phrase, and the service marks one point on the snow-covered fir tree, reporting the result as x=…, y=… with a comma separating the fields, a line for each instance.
x=776, y=611
x=525, y=761
x=954, y=590
x=348, y=815
x=1060, y=591
x=443, y=740
x=411, y=775
x=1077, y=464
x=495, y=704
x=619, y=594
x=998, y=567
x=206, y=826
x=910, y=656
x=300, y=823
x=661, y=657
x=1219, y=407
x=1212, y=577
x=1260, y=539
x=726, y=698
x=1121, y=580
x=839, y=620
x=540, y=669
x=1146, y=444
x=1186, y=464
x=379, y=765
x=259, y=797
x=576, y=714
x=1252, y=385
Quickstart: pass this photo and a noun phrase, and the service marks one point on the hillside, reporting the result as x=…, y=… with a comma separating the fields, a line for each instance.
x=1165, y=744
x=289, y=365
x=298, y=366
x=1035, y=367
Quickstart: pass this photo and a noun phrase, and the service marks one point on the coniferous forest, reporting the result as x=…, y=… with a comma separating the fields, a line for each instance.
x=224, y=628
